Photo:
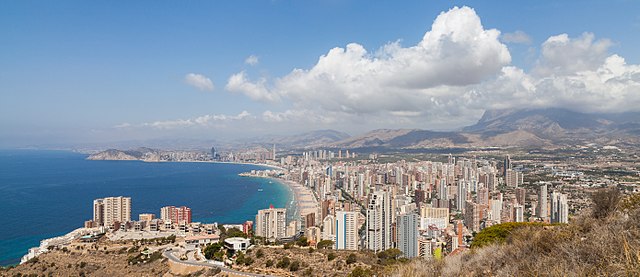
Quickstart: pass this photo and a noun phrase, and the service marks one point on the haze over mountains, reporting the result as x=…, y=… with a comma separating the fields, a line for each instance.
x=507, y=128
x=550, y=127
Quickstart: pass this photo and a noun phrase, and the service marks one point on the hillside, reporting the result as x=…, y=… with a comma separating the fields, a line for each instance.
x=512, y=128
x=605, y=242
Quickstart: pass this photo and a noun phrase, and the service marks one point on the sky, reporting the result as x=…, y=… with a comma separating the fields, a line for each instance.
x=104, y=71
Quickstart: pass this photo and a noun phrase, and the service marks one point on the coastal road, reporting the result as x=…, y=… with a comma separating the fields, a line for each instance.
x=169, y=255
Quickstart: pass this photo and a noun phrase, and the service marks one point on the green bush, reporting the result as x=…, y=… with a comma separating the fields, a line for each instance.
x=351, y=258
x=284, y=262
x=499, y=233
x=269, y=263
x=361, y=272
x=331, y=256
x=295, y=265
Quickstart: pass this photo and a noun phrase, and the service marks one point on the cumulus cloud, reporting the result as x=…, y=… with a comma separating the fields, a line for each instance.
x=252, y=60
x=561, y=55
x=456, y=52
x=254, y=90
x=199, y=81
x=516, y=37
x=448, y=79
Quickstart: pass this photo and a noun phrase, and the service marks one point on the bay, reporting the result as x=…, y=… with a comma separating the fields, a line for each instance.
x=49, y=193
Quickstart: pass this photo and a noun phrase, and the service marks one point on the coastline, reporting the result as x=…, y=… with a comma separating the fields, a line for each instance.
x=46, y=241
x=306, y=202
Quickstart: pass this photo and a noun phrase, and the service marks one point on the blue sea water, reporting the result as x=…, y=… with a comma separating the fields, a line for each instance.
x=49, y=193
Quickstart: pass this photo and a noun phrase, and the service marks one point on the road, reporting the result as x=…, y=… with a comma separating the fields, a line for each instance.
x=169, y=255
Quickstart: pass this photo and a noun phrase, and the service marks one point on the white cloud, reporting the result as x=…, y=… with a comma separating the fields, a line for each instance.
x=254, y=90
x=516, y=37
x=393, y=81
x=199, y=81
x=561, y=55
x=252, y=60
x=201, y=121
x=448, y=79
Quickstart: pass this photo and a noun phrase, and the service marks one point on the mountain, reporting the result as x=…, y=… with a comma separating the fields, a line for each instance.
x=512, y=128
x=311, y=139
x=403, y=138
x=142, y=153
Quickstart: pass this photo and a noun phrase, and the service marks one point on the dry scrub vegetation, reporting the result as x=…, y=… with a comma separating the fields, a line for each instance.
x=604, y=242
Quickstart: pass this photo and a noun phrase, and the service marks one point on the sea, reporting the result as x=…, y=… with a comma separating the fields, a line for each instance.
x=45, y=193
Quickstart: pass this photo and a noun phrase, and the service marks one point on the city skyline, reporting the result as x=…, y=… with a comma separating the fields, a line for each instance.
x=77, y=72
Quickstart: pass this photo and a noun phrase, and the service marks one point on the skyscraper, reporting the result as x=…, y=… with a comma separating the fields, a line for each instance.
x=559, y=208
x=518, y=213
x=107, y=211
x=346, y=235
x=379, y=216
x=271, y=223
x=98, y=212
x=506, y=165
x=472, y=216
x=407, y=234
x=542, y=211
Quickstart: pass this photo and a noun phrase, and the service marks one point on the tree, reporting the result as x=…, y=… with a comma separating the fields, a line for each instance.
x=211, y=250
x=325, y=244
x=302, y=241
x=391, y=253
x=351, y=258
x=259, y=253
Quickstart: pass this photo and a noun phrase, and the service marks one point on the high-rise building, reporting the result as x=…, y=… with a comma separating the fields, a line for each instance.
x=496, y=210
x=518, y=213
x=407, y=234
x=379, y=218
x=107, y=211
x=506, y=165
x=521, y=195
x=472, y=216
x=513, y=178
x=271, y=223
x=542, y=211
x=346, y=235
x=461, y=196
x=98, y=212
x=177, y=215
x=559, y=208
x=329, y=228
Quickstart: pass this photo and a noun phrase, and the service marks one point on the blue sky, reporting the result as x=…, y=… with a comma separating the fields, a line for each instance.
x=77, y=71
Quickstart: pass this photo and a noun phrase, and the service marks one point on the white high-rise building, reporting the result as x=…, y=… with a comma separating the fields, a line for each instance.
x=271, y=223
x=461, y=196
x=379, y=218
x=518, y=213
x=542, y=211
x=329, y=228
x=407, y=234
x=559, y=208
x=107, y=211
x=346, y=235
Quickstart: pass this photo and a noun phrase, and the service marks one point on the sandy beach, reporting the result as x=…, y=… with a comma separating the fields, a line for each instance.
x=303, y=196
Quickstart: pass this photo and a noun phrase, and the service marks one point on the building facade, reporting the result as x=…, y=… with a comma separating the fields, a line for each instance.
x=271, y=223
x=346, y=234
